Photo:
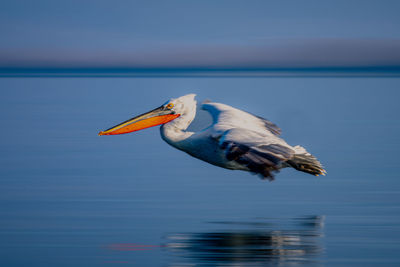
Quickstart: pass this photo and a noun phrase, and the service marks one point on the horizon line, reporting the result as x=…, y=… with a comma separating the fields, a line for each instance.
x=115, y=71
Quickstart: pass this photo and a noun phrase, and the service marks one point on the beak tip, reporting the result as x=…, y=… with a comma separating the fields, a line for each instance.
x=101, y=133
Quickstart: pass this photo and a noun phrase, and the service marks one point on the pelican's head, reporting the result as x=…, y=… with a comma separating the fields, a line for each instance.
x=170, y=110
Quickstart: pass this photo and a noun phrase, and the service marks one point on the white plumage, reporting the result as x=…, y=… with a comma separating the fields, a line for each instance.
x=236, y=140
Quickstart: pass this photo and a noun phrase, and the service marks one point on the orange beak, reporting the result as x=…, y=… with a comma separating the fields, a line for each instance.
x=155, y=117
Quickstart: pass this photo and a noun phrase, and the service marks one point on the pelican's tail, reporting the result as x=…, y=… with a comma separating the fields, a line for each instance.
x=305, y=162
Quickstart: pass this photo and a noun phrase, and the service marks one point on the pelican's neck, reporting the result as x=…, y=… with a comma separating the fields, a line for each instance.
x=174, y=132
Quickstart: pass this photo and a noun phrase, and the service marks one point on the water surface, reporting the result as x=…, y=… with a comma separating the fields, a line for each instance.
x=71, y=198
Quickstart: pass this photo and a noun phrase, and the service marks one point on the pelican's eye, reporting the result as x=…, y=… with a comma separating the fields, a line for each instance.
x=169, y=106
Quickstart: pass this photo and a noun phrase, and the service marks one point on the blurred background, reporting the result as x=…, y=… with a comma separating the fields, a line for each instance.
x=326, y=73
x=189, y=37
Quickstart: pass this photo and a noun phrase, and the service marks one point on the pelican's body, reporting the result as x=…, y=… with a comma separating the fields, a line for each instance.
x=236, y=140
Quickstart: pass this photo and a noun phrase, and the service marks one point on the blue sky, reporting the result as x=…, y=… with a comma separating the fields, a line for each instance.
x=130, y=32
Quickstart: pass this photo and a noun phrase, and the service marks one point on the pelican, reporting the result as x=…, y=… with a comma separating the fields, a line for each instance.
x=236, y=140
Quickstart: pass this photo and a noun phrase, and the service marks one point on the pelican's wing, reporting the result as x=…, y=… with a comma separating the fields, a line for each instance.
x=271, y=126
x=260, y=153
x=226, y=117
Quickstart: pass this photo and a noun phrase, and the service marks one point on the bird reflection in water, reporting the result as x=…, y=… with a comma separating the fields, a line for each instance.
x=264, y=242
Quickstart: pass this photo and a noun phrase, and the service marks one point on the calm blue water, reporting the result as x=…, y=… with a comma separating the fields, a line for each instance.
x=71, y=198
